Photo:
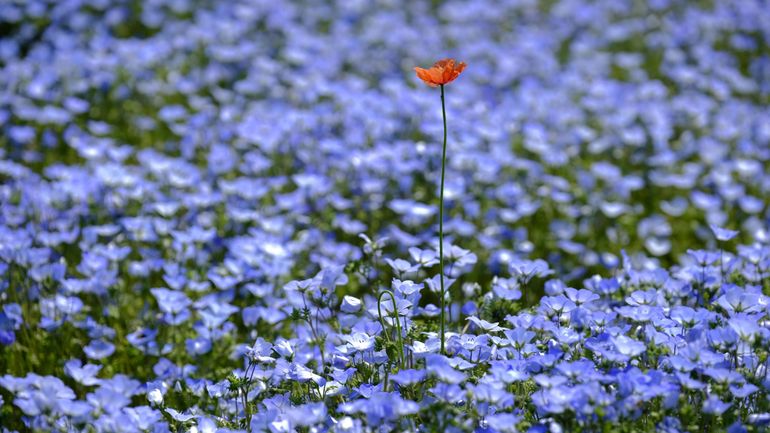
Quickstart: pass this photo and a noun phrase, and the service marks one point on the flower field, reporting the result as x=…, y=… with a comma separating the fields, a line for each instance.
x=234, y=216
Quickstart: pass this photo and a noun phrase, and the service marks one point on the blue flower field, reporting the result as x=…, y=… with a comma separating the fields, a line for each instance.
x=229, y=216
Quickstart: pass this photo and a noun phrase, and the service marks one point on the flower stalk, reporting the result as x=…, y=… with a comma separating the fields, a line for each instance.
x=441, y=226
x=399, y=338
x=441, y=73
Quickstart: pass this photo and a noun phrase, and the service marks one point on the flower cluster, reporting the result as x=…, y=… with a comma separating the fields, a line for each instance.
x=223, y=216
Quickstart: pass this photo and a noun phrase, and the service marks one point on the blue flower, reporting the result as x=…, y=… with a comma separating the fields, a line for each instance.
x=628, y=346
x=179, y=416
x=359, y=342
x=555, y=306
x=440, y=367
x=99, y=349
x=746, y=327
x=736, y=300
x=83, y=374
x=307, y=415
x=503, y=422
x=506, y=288
x=173, y=304
x=723, y=234
x=401, y=267
x=525, y=270
x=714, y=406
x=485, y=326
x=379, y=407
x=408, y=377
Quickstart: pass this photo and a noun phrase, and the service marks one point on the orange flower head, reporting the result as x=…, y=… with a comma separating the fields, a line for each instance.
x=442, y=72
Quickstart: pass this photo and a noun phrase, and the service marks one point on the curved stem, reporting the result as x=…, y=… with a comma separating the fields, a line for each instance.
x=398, y=324
x=379, y=314
x=441, y=223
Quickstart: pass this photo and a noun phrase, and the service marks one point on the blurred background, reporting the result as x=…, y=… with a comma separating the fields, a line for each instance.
x=274, y=133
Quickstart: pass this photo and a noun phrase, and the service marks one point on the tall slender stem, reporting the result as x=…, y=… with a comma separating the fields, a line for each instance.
x=441, y=224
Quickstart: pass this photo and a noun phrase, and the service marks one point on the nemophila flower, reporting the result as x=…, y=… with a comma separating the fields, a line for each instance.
x=746, y=327
x=519, y=337
x=579, y=371
x=302, y=374
x=737, y=300
x=449, y=393
x=509, y=371
x=215, y=313
x=581, y=296
x=487, y=395
x=347, y=424
x=440, y=367
x=525, y=270
x=643, y=298
x=723, y=338
x=680, y=363
x=144, y=340
x=401, y=266
x=174, y=305
x=743, y=391
x=553, y=400
x=640, y=313
x=759, y=419
x=307, y=415
x=284, y=348
x=723, y=375
x=403, y=308
x=381, y=407
x=687, y=317
x=260, y=351
x=360, y=342
x=11, y=319
x=723, y=234
x=83, y=374
x=434, y=283
x=624, y=346
x=602, y=286
x=600, y=320
x=408, y=377
x=37, y=395
x=198, y=346
x=554, y=306
x=468, y=344
x=503, y=422
x=179, y=416
x=714, y=406
x=424, y=258
x=99, y=349
x=506, y=288
x=7, y=336
x=76, y=410
x=107, y=400
x=419, y=348
x=407, y=289
x=484, y=325
x=548, y=381
x=567, y=336
x=155, y=397
x=350, y=304
x=703, y=257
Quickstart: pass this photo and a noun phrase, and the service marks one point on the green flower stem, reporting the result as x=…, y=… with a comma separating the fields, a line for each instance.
x=441, y=224
x=398, y=324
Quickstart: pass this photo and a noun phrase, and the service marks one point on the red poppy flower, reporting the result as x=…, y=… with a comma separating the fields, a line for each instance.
x=442, y=72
